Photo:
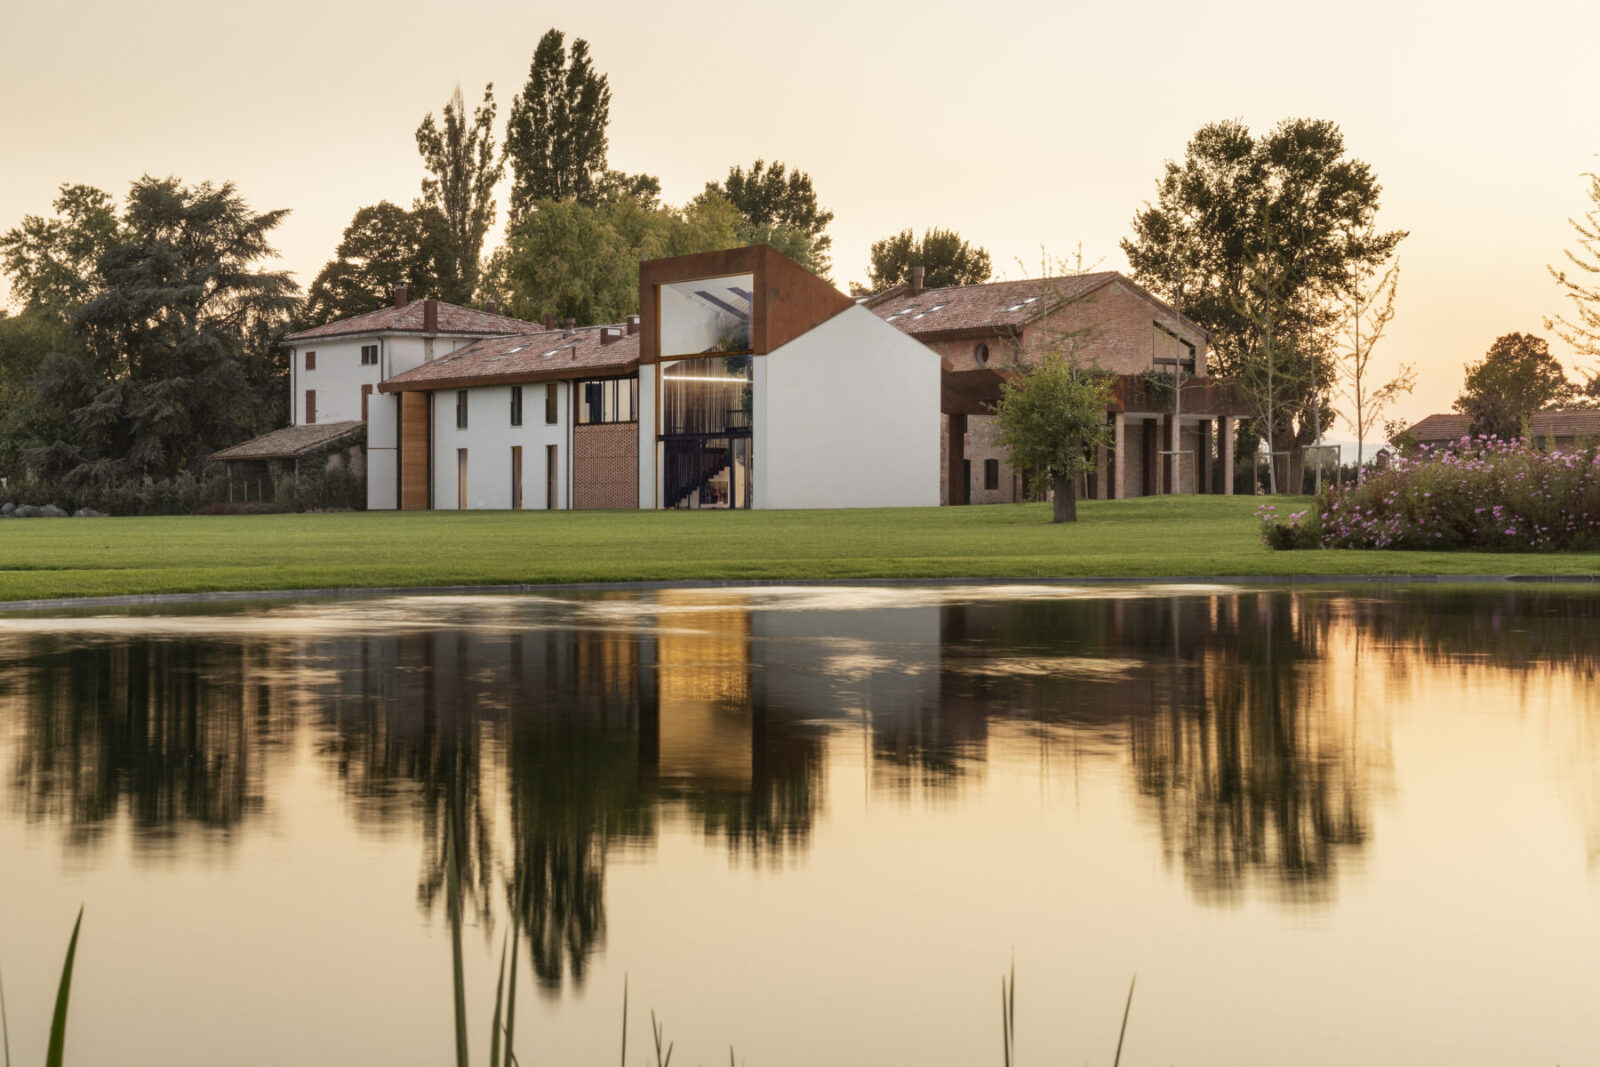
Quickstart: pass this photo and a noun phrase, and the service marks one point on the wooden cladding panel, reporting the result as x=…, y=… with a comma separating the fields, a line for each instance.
x=414, y=449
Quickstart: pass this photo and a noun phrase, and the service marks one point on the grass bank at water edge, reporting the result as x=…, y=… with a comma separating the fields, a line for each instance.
x=1151, y=538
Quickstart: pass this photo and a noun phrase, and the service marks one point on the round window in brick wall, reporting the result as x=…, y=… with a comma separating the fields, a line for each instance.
x=980, y=355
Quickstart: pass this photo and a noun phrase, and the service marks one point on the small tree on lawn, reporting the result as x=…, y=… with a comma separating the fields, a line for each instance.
x=1051, y=418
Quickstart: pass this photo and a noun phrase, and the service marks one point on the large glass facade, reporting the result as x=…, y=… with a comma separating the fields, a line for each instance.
x=706, y=316
x=605, y=400
x=706, y=432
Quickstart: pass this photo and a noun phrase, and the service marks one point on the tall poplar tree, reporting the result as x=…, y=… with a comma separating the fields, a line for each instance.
x=463, y=169
x=556, y=133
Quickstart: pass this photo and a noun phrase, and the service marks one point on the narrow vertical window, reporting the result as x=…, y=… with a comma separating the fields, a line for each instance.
x=551, y=407
x=311, y=406
x=461, y=409
x=461, y=478
x=516, y=405
x=991, y=474
x=311, y=361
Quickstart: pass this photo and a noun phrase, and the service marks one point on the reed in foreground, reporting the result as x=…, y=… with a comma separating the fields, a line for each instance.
x=56, y=1051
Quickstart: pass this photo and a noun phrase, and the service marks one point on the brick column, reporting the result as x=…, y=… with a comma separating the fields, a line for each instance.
x=1202, y=463
x=1225, y=453
x=1169, y=466
x=957, y=453
x=1118, y=485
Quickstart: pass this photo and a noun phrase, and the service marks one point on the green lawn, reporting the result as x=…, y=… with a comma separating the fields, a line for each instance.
x=1155, y=537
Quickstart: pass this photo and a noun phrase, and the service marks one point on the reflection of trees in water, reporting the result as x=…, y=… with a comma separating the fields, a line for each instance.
x=408, y=730
x=1250, y=772
x=171, y=730
x=573, y=764
x=771, y=816
x=1220, y=701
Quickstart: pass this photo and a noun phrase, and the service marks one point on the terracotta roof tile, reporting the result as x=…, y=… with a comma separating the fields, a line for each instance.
x=992, y=305
x=1440, y=428
x=290, y=441
x=1558, y=422
x=452, y=319
x=545, y=356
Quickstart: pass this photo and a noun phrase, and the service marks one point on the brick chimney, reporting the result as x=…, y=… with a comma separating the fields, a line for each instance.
x=430, y=316
x=916, y=281
x=633, y=325
x=550, y=320
x=402, y=294
x=610, y=334
x=568, y=326
x=491, y=307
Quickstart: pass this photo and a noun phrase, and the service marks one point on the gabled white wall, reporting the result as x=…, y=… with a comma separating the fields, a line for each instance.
x=847, y=416
x=488, y=439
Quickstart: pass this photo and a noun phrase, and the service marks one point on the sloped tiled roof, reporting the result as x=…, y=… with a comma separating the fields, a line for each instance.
x=545, y=356
x=990, y=306
x=1441, y=428
x=289, y=442
x=1558, y=422
x=452, y=319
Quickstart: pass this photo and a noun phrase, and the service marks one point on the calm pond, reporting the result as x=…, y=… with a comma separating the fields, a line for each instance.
x=1346, y=826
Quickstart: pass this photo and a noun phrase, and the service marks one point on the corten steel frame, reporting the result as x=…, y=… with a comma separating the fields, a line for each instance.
x=787, y=300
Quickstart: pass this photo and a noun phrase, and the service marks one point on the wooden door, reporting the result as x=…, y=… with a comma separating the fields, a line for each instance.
x=516, y=477
x=551, y=481
x=461, y=478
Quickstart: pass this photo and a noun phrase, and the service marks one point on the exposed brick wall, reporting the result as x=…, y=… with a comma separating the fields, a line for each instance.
x=605, y=467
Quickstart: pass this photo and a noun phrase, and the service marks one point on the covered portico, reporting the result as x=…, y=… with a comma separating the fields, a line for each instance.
x=1157, y=447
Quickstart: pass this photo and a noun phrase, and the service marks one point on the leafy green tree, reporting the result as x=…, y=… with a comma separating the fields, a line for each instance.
x=571, y=259
x=1516, y=378
x=945, y=258
x=1052, y=419
x=556, y=133
x=385, y=244
x=174, y=352
x=51, y=261
x=462, y=172
x=1291, y=196
x=615, y=185
x=26, y=339
x=779, y=205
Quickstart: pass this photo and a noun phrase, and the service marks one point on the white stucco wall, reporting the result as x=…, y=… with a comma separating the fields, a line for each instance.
x=847, y=416
x=647, y=437
x=337, y=379
x=489, y=438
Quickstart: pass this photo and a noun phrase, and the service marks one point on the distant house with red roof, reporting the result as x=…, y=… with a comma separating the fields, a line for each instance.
x=1553, y=429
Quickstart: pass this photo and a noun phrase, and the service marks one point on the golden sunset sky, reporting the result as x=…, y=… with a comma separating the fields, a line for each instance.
x=1021, y=125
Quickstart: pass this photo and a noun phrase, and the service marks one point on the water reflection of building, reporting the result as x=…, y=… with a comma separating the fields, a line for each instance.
x=547, y=735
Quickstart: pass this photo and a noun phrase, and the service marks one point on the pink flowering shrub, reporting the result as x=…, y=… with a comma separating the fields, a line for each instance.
x=1504, y=496
x=1298, y=529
